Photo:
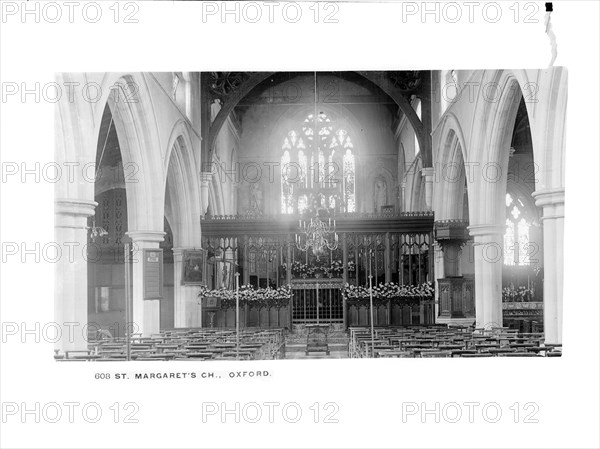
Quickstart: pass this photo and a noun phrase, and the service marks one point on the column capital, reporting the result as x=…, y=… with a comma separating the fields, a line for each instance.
x=73, y=213
x=75, y=207
x=146, y=236
x=427, y=172
x=549, y=197
x=483, y=230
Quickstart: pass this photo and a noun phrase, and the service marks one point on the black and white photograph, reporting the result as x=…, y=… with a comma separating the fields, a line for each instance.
x=299, y=224
x=401, y=215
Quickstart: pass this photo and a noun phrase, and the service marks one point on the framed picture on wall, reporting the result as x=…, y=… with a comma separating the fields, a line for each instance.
x=194, y=267
x=224, y=275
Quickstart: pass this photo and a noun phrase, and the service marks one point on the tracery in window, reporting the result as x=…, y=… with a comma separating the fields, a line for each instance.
x=319, y=171
x=516, y=238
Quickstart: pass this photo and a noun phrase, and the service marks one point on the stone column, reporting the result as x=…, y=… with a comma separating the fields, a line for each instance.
x=236, y=185
x=205, y=180
x=145, y=313
x=552, y=202
x=402, y=196
x=427, y=173
x=438, y=273
x=71, y=286
x=488, y=247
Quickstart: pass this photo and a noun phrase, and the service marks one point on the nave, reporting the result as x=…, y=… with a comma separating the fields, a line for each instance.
x=220, y=201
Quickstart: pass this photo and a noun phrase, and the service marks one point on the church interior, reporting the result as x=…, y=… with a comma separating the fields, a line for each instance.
x=274, y=215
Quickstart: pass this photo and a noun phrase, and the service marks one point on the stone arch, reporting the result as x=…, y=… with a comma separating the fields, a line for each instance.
x=376, y=78
x=212, y=201
x=491, y=137
x=216, y=197
x=181, y=188
x=415, y=188
x=451, y=171
x=75, y=141
x=137, y=130
x=490, y=144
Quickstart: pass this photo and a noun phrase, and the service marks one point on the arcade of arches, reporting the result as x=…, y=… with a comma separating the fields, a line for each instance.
x=202, y=175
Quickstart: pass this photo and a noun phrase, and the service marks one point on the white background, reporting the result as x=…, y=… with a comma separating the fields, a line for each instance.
x=172, y=36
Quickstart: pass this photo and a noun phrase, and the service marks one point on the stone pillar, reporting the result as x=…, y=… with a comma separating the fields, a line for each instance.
x=552, y=202
x=186, y=301
x=438, y=273
x=427, y=173
x=71, y=286
x=402, y=196
x=205, y=180
x=488, y=247
x=145, y=313
x=236, y=185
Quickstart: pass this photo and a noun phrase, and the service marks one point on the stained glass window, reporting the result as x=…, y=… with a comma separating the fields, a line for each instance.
x=516, y=238
x=321, y=170
x=349, y=180
x=287, y=187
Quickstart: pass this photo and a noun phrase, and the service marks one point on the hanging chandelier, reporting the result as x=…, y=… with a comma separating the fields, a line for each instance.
x=97, y=231
x=318, y=234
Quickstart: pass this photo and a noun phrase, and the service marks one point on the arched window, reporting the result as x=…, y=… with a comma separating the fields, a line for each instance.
x=418, y=112
x=516, y=238
x=318, y=171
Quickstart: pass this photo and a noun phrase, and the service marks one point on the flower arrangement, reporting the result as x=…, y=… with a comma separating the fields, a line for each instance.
x=389, y=291
x=261, y=297
x=333, y=269
x=519, y=294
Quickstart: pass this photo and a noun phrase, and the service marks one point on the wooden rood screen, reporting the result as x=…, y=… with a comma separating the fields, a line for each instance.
x=314, y=302
x=389, y=247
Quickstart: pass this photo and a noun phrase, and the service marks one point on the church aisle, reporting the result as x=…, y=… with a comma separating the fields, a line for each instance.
x=295, y=347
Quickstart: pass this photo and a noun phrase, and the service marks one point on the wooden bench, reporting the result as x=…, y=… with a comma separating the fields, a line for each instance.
x=435, y=353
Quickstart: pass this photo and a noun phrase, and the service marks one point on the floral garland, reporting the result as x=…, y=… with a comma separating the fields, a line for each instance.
x=335, y=268
x=390, y=291
x=519, y=294
x=261, y=297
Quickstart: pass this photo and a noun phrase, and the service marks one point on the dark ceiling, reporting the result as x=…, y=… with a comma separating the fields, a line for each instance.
x=521, y=139
x=112, y=152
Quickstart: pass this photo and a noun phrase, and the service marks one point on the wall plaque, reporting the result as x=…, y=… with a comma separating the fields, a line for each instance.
x=153, y=273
